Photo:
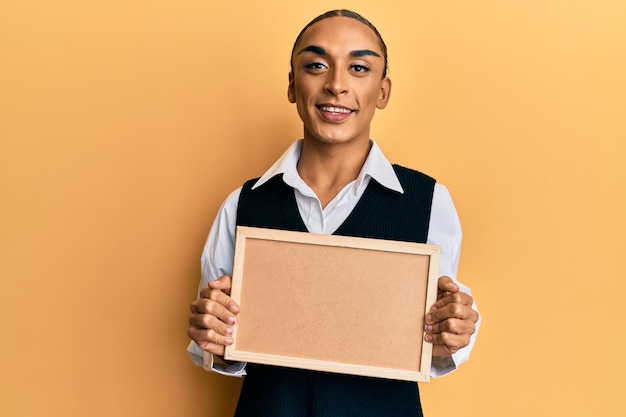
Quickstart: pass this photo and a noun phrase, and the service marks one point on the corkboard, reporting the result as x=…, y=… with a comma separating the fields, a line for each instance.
x=333, y=303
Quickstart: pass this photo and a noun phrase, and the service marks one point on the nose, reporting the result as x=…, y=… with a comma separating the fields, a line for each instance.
x=336, y=82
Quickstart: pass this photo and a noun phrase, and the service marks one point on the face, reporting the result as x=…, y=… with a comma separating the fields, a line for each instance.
x=337, y=81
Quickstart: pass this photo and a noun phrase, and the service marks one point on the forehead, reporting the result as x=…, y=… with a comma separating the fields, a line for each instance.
x=340, y=34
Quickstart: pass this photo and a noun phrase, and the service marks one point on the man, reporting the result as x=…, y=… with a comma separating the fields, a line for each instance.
x=321, y=185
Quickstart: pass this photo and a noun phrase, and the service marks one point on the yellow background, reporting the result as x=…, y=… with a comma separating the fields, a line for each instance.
x=124, y=124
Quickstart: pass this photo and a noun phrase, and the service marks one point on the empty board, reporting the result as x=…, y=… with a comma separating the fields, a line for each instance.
x=333, y=303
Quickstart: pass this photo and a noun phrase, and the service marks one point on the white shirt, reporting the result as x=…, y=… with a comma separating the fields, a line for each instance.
x=444, y=230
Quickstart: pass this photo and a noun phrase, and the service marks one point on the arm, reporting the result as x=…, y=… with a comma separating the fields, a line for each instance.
x=214, y=312
x=453, y=321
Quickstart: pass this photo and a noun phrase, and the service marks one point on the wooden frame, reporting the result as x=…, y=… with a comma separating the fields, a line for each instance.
x=333, y=303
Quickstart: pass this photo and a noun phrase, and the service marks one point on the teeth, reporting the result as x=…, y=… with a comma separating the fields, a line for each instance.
x=335, y=109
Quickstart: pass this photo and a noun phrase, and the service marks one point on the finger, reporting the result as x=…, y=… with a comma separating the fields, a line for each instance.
x=441, y=350
x=213, y=348
x=210, y=322
x=209, y=340
x=449, y=342
x=451, y=311
x=445, y=284
x=222, y=298
x=452, y=298
x=223, y=283
x=206, y=306
x=454, y=326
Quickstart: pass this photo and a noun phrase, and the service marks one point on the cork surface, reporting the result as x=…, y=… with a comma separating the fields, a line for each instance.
x=340, y=304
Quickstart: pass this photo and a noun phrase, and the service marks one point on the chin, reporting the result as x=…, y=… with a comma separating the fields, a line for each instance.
x=333, y=137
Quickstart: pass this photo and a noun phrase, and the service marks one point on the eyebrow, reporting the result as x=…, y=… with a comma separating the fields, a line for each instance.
x=321, y=51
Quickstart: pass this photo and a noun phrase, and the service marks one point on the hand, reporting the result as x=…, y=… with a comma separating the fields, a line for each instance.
x=212, y=317
x=451, y=320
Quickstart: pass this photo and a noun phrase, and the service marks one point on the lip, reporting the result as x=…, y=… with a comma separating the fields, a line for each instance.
x=333, y=112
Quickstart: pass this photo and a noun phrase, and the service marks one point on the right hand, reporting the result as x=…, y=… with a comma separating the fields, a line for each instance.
x=213, y=316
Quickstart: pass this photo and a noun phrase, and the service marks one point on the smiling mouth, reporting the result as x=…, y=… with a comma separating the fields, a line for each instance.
x=333, y=109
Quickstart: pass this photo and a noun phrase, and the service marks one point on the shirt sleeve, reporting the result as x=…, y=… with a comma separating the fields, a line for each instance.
x=445, y=231
x=217, y=260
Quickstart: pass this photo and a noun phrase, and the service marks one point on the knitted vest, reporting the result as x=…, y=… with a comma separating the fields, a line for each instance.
x=270, y=391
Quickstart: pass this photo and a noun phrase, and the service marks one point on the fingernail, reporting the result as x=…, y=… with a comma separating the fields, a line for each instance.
x=429, y=338
x=228, y=341
x=232, y=320
x=429, y=318
x=229, y=330
x=429, y=328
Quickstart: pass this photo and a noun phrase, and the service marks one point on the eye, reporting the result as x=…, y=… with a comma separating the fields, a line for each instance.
x=314, y=66
x=360, y=68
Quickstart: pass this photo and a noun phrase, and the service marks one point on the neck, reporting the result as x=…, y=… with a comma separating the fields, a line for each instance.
x=328, y=167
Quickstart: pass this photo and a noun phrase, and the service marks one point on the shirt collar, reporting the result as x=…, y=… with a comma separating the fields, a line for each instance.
x=376, y=166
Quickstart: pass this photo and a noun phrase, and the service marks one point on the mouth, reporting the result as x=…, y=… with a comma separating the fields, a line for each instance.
x=334, y=114
x=334, y=109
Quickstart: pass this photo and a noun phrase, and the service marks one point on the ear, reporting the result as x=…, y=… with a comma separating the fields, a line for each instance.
x=291, y=93
x=385, y=93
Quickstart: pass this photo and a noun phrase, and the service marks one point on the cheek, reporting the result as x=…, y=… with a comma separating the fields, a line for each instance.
x=302, y=112
x=370, y=94
x=304, y=105
x=371, y=99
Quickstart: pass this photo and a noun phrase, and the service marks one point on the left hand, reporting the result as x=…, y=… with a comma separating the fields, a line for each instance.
x=451, y=320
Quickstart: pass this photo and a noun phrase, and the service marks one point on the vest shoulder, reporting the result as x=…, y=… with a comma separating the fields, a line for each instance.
x=275, y=181
x=404, y=172
x=250, y=183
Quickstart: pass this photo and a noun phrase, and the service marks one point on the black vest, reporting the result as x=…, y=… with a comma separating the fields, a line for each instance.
x=270, y=391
